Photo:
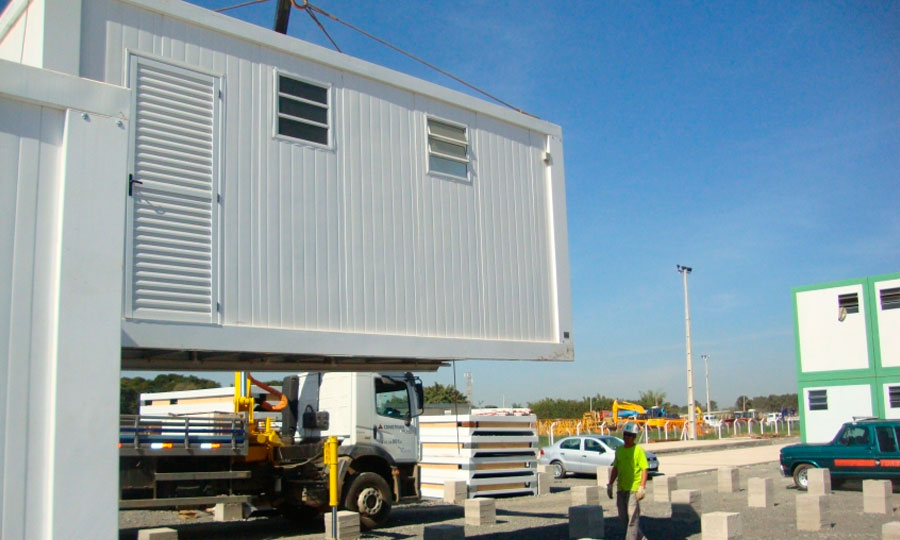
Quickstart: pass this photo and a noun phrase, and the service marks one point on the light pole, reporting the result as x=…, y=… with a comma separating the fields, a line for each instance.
x=705, y=358
x=692, y=414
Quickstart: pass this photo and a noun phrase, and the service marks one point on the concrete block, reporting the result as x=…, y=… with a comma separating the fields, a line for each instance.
x=545, y=480
x=586, y=495
x=159, y=533
x=729, y=480
x=347, y=525
x=890, y=531
x=720, y=525
x=544, y=468
x=481, y=512
x=455, y=491
x=228, y=512
x=760, y=492
x=444, y=532
x=663, y=486
x=586, y=521
x=603, y=476
x=811, y=512
x=819, y=481
x=877, y=496
x=687, y=505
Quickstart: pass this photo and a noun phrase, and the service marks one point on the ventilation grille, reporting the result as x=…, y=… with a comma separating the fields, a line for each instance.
x=890, y=298
x=173, y=198
x=850, y=302
x=894, y=395
x=818, y=400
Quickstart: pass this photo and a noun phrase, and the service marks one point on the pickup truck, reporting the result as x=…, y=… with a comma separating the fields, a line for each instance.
x=861, y=449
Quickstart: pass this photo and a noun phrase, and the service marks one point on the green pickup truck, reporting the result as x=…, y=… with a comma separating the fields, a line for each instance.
x=861, y=449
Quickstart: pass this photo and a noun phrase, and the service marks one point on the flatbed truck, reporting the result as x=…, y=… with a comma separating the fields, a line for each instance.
x=174, y=461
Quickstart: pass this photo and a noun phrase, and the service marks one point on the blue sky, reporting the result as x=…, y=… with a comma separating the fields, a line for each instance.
x=757, y=142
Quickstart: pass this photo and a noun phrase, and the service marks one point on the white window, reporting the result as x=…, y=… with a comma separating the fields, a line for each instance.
x=448, y=149
x=302, y=110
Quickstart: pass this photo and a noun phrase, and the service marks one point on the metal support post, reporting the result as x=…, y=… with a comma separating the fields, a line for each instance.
x=331, y=445
x=692, y=413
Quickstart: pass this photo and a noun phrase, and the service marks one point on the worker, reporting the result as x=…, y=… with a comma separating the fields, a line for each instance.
x=630, y=468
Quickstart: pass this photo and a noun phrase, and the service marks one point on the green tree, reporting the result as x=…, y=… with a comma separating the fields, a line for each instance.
x=743, y=401
x=438, y=393
x=652, y=398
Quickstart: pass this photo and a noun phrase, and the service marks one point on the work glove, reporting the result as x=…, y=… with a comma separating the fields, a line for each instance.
x=609, y=490
x=640, y=493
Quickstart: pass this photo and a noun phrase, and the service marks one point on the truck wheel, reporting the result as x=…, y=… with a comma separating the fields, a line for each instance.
x=369, y=495
x=800, y=479
x=559, y=470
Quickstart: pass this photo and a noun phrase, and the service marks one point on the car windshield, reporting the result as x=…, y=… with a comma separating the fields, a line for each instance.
x=613, y=442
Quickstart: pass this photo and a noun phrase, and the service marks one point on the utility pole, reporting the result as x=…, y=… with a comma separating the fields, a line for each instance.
x=692, y=414
x=706, y=362
x=468, y=376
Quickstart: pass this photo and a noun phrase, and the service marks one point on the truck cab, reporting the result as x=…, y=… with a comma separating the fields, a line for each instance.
x=373, y=415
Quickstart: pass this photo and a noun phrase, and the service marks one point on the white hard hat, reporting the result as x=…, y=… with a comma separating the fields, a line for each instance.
x=631, y=428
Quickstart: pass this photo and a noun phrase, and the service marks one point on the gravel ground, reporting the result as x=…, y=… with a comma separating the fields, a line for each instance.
x=543, y=518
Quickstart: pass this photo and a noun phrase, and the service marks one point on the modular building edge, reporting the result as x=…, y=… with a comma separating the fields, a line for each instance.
x=858, y=381
x=352, y=249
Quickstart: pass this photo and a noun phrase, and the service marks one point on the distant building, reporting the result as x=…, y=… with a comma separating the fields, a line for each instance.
x=848, y=352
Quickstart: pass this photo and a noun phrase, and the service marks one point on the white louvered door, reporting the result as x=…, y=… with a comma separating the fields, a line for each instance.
x=171, y=252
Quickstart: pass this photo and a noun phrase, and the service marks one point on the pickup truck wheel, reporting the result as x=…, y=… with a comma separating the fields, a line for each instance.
x=369, y=495
x=559, y=470
x=800, y=479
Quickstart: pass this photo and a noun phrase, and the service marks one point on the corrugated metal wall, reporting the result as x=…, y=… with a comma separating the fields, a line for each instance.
x=357, y=238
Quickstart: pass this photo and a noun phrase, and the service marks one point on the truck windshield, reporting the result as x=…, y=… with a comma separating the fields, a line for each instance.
x=391, y=398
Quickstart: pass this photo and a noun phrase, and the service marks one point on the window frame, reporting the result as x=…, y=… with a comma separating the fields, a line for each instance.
x=276, y=109
x=381, y=408
x=575, y=440
x=888, y=298
x=429, y=153
x=823, y=396
x=893, y=396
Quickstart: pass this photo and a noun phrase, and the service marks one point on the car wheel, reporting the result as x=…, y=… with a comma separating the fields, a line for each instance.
x=800, y=478
x=559, y=470
x=369, y=495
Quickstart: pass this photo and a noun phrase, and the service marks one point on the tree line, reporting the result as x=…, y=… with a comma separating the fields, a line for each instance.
x=132, y=387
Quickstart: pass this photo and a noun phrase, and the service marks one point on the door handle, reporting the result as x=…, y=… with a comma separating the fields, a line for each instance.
x=131, y=183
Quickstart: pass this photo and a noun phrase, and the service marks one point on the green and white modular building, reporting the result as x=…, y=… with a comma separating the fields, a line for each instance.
x=848, y=352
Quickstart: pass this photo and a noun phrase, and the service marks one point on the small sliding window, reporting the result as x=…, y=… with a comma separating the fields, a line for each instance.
x=303, y=110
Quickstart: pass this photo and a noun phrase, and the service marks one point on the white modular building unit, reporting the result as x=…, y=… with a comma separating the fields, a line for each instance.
x=286, y=202
x=182, y=190
x=848, y=353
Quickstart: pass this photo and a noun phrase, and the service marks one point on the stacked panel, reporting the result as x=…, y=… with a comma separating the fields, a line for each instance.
x=493, y=455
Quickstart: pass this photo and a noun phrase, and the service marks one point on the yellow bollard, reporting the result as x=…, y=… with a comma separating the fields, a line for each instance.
x=331, y=460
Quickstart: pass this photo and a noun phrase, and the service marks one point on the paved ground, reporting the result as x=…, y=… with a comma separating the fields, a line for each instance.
x=545, y=517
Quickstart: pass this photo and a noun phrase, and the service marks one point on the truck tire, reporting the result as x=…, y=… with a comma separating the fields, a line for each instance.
x=369, y=495
x=800, y=479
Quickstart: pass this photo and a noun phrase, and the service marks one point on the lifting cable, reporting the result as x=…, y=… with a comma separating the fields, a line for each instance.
x=308, y=7
x=243, y=4
x=311, y=10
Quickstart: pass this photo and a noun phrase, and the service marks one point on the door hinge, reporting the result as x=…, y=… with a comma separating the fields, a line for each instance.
x=218, y=307
x=221, y=94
